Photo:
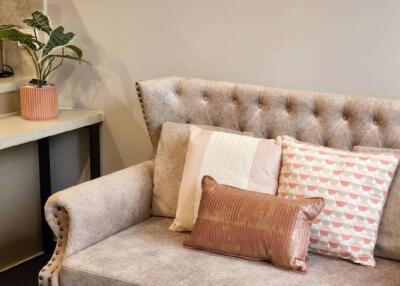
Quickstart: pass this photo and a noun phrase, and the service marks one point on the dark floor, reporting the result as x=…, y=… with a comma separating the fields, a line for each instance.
x=24, y=274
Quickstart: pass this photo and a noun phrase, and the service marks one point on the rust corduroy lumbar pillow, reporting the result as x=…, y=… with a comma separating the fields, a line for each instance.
x=254, y=225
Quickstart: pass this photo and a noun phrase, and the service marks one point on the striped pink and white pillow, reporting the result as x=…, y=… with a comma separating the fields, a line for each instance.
x=235, y=160
x=354, y=186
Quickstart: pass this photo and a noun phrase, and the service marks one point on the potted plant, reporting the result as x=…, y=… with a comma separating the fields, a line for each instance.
x=39, y=99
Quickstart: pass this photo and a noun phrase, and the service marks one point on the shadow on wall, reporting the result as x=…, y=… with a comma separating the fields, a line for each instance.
x=106, y=85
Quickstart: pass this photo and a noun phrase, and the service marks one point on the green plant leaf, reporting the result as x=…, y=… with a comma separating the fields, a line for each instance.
x=57, y=39
x=71, y=58
x=39, y=21
x=76, y=50
x=13, y=34
x=6, y=27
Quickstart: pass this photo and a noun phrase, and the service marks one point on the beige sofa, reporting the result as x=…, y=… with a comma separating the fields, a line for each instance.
x=106, y=236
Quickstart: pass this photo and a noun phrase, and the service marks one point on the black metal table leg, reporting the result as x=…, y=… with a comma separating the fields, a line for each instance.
x=94, y=142
x=45, y=191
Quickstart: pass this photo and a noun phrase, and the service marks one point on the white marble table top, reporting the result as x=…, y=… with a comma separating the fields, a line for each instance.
x=14, y=130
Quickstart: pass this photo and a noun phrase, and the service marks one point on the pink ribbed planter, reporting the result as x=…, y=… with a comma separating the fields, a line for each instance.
x=39, y=103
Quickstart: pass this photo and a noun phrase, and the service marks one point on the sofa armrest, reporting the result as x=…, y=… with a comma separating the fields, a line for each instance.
x=90, y=212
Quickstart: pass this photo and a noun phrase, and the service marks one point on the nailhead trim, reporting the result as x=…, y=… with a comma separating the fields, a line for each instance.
x=52, y=267
x=139, y=93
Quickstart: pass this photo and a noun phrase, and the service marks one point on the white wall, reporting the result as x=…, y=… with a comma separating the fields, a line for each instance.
x=340, y=46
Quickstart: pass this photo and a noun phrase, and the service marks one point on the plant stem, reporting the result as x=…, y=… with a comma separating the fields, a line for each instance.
x=40, y=67
x=57, y=66
x=48, y=68
x=34, y=31
x=34, y=59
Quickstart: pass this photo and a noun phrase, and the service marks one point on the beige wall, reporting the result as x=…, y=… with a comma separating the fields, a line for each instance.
x=337, y=46
x=9, y=102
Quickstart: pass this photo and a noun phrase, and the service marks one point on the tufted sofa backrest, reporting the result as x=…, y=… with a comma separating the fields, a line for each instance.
x=325, y=119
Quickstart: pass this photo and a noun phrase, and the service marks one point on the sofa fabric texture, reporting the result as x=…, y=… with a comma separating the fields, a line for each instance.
x=330, y=120
x=169, y=163
x=120, y=200
x=354, y=186
x=388, y=243
x=254, y=225
x=149, y=254
x=324, y=119
x=236, y=160
x=90, y=212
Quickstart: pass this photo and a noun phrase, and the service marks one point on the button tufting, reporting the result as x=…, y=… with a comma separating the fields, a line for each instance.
x=205, y=97
x=316, y=114
x=376, y=122
x=260, y=105
x=345, y=118
x=234, y=102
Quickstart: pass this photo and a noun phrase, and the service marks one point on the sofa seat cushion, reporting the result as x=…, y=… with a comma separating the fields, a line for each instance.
x=150, y=254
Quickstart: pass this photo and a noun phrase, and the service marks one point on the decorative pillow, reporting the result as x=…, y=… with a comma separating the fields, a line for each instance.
x=354, y=186
x=240, y=161
x=254, y=225
x=388, y=243
x=169, y=163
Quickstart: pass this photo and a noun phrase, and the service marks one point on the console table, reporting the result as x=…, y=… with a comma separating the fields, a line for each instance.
x=14, y=130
